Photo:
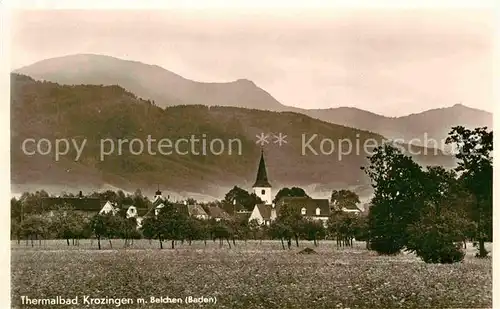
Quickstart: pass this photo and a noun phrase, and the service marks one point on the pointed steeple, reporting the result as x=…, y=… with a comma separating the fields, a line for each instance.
x=158, y=199
x=261, y=180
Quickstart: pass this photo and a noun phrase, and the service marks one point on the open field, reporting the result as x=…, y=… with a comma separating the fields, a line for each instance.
x=250, y=275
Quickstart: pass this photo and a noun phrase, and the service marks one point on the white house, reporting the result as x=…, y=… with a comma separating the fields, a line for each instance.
x=131, y=212
x=264, y=214
x=109, y=207
x=315, y=209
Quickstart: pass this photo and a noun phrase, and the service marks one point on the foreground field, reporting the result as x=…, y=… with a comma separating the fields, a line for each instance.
x=250, y=275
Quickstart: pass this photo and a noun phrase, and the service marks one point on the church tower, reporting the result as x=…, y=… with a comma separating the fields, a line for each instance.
x=262, y=187
x=158, y=199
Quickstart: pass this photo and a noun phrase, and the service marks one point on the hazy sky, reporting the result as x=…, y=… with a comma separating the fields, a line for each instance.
x=388, y=62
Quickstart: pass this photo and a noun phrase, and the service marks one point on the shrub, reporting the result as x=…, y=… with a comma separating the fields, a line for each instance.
x=385, y=245
x=436, y=240
x=436, y=252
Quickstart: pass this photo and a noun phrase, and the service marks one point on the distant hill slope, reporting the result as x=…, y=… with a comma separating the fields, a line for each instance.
x=49, y=110
x=421, y=127
x=150, y=82
x=167, y=88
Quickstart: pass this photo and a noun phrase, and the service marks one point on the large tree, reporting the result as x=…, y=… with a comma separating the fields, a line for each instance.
x=171, y=224
x=291, y=192
x=15, y=209
x=443, y=225
x=290, y=217
x=280, y=230
x=344, y=198
x=313, y=230
x=399, y=196
x=475, y=166
x=68, y=224
x=105, y=225
x=35, y=227
x=242, y=197
x=30, y=203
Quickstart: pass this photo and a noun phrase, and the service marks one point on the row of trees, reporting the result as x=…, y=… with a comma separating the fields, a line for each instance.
x=173, y=225
x=30, y=203
x=432, y=211
x=290, y=226
x=248, y=200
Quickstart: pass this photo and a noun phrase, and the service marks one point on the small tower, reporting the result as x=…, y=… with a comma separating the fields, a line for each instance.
x=262, y=187
x=158, y=197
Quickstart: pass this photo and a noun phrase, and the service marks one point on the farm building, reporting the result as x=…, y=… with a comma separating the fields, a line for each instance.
x=197, y=211
x=316, y=209
x=263, y=213
x=84, y=205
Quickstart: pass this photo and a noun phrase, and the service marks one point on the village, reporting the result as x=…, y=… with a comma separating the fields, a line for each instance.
x=263, y=213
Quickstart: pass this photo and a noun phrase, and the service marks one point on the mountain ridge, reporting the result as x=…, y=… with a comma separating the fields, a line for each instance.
x=52, y=111
x=23, y=70
x=166, y=88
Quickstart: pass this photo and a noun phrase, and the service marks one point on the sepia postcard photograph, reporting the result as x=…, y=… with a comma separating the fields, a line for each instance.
x=250, y=156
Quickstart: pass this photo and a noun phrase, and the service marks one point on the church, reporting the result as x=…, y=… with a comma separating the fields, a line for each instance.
x=266, y=212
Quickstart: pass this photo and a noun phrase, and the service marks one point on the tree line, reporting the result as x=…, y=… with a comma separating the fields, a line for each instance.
x=176, y=226
x=432, y=211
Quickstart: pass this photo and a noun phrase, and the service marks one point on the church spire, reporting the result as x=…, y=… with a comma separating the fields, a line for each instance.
x=261, y=180
x=158, y=192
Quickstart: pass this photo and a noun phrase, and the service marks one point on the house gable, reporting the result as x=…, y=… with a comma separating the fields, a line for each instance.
x=307, y=206
x=82, y=204
x=197, y=211
x=256, y=215
x=108, y=208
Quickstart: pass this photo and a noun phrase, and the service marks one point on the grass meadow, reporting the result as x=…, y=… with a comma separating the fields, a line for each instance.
x=249, y=275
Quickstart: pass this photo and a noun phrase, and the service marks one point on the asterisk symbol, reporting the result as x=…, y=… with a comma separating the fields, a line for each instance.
x=262, y=139
x=280, y=139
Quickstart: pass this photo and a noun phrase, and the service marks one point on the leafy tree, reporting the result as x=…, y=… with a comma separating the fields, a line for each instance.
x=279, y=230
x=399, y=185
x=291, y=192
x=35, y=227
x=254, y=227
x=191, y=201
x=242, y=197
x=361, y=231
x=66, y=194
x=149, y=229
x=475, y=165
x=98, y=226
x=222, y=230
x=15, y=209
x=139, y=200
x=126, y=229
x=104, y=225
x=313, y=230
x=108, y=195
x=31, y=202
x=291, y=217
x=344, y=198
x=171, y=224
x=240, y=229
x=343, y=226
x=67, y=224
x=193, y=230
x=435, y=238
x=15, y=230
